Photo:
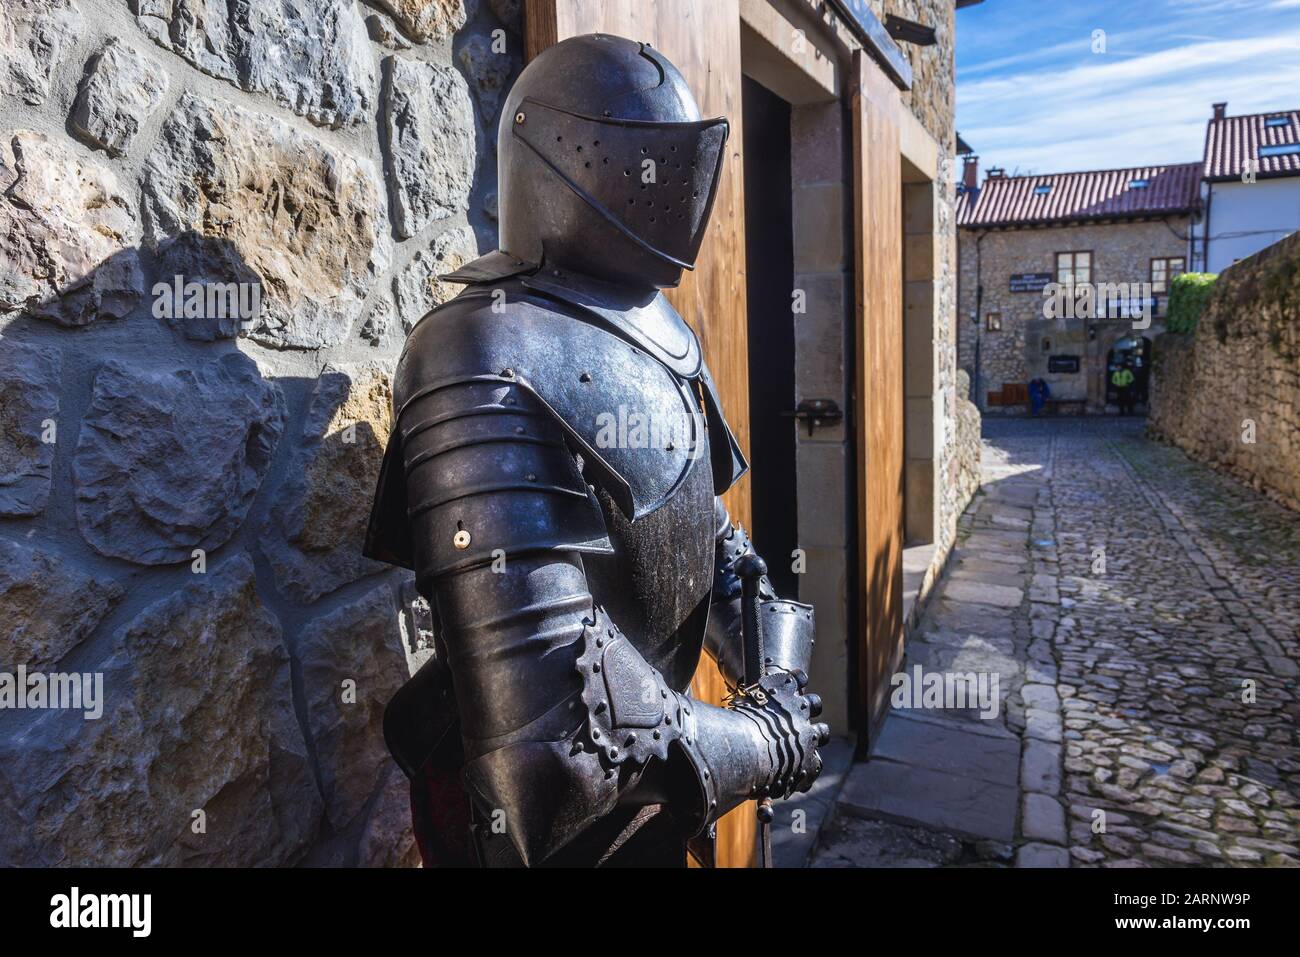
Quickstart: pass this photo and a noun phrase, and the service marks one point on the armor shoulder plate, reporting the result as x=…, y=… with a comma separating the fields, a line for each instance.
x=633, y=422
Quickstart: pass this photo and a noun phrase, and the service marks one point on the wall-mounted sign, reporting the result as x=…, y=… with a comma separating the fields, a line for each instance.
x=1130, y=308
x=1062, y=363
x=1029, y=281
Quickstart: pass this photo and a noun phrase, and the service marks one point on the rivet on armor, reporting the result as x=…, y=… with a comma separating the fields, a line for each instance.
x=613, y=752
x=600, y=707
x=595, y=734
x=519, y=117
x=531, y=476
x=600, y=642
x=657, y=735
x=507, y=373
x=630, y=740
x=461, y=539
x=585, y=377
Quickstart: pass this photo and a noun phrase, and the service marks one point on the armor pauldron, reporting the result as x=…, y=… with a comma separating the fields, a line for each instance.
x=489, y=474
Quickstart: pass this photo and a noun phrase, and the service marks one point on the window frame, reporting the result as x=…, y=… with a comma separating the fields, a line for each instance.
x=990, y=318
x=1074, y=255
x=1162, y=285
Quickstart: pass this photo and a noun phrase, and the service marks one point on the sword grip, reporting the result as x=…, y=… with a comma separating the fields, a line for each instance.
x=751, y=569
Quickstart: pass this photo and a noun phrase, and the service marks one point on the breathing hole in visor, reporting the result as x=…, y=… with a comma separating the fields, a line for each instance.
x=666, y=184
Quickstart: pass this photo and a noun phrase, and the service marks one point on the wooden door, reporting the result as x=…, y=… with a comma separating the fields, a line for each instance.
x=703, y=41
x=878, y=389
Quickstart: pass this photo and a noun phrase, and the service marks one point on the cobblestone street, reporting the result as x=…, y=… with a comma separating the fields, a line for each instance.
x=1141, y=614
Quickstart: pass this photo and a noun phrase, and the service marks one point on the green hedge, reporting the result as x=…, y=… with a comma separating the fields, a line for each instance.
x=1188, y=295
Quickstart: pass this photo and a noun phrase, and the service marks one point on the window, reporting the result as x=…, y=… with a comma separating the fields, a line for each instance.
x=1277, y=121
x=1138, y=184
x=1072, y=268
x=1280, y=149
x=1042, y=189
x=993, y=322
x=1163, y=272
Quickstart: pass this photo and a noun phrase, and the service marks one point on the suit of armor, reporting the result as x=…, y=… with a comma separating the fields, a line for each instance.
x=553, y=479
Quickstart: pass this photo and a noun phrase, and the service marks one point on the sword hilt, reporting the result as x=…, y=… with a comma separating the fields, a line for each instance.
x=751, y=569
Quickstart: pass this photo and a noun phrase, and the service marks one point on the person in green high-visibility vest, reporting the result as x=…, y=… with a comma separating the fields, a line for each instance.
x=1122, y=380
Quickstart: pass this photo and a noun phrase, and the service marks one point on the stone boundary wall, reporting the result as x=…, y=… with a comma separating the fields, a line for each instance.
x=1228, y=394
x=183, y=493
x=964, y=474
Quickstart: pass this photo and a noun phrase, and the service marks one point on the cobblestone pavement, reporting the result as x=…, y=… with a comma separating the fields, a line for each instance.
x=1142, y=615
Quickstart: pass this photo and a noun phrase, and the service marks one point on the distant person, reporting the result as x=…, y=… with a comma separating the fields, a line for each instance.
x=1122, y=380
x=1039, y=393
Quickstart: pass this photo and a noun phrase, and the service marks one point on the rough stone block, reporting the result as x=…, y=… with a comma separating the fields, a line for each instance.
x=121, y=92
x=168, y=462
x=29, y=412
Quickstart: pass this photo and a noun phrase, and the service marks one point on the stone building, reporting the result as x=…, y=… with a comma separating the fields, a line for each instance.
x=1122, y=233
x=217, y=224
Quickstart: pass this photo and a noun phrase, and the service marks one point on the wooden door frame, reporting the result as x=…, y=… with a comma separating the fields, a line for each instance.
x=876, y=108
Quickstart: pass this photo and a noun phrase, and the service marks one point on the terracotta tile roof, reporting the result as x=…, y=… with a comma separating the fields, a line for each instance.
x=1231, y=140
x=1071, y=197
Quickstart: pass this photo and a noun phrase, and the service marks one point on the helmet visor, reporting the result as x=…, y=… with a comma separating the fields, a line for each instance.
x=654, y=181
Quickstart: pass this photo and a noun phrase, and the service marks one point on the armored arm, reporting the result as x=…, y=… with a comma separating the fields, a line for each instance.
x=561, y=717
x=788, y=626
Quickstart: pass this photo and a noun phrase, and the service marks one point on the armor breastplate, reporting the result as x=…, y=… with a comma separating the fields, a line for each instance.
x=637, y=427
x=662, y=606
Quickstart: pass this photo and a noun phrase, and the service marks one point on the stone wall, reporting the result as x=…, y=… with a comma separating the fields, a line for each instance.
x=183, y=493
x=1121, y=253
x=933, y=96
x=964, y=466
x=1228, y=394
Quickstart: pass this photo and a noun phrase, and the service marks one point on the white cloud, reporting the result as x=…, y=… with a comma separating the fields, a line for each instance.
x=1104, y=111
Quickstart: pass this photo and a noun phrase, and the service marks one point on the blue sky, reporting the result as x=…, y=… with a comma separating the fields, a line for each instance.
x=1032, y=96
